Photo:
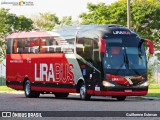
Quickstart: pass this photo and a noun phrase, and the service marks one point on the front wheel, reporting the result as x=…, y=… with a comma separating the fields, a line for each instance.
x=28, y=92
x=83, y=93
x=121, y=98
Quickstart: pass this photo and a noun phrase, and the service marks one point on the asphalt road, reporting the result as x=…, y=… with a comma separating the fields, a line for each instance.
x=18, y=102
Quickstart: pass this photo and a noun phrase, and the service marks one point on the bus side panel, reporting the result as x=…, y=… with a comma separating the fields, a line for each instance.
x=13, y=75
x=45, y=71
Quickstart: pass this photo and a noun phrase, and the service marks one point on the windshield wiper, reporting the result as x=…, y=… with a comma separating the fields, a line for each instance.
x=133, y=69
x=139, y=49
x=127, y=61
x=129, y=64
x=124, y=63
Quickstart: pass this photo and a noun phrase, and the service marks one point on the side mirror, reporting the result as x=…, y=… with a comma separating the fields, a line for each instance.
x=102, y=46
x=150, y=45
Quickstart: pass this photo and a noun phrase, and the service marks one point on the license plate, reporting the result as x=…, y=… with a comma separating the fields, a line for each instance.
x=128, y=90
x=97, y=88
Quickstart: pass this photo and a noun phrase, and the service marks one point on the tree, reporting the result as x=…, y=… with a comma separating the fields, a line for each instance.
x=145, y=18
x=49, y=21
x=11, y=23
x=22, y=24
x=103, y=14
x=45, y=21
x=66, y=20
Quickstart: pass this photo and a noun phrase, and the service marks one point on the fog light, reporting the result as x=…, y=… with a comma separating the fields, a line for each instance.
x=145, y=84
x=108, y=84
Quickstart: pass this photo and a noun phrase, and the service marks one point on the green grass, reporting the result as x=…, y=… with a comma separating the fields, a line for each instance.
x=6, y=89
x=154, y=90
x=154, y=86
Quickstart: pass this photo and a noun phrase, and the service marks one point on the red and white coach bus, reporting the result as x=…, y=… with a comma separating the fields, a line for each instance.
x=93, y=60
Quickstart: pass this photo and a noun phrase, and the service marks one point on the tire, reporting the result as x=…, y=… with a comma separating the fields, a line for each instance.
x=83, y=92
x=28, y=92
x=121, y=98
x=61, y=95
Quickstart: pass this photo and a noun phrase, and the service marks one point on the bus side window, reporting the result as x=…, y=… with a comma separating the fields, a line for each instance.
x=52, y=44
x=67, y=45
x=21, y=43
x=49, y=45
x=95, y=51
x=80, y=46
x=28, y=46
x=42, y=46
x=10, y=47
x=32, y=45
x=85, y=48
x=88, y=49
x=15, y=46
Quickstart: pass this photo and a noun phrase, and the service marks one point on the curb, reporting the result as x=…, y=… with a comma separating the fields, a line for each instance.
x=151, y=98
x=145, y=98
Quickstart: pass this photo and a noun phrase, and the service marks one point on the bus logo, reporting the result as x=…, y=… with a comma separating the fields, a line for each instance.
x=55, y=72
x=122, y=32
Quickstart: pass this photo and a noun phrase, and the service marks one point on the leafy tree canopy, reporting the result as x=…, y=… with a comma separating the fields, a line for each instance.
x=145, y=18
x=10, y=23
x=48, y=21
x=45, y=21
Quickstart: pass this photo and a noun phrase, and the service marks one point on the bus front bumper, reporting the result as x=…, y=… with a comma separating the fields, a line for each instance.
x=120, y=91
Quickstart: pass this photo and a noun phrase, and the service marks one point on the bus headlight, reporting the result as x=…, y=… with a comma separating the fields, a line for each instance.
x=108, y=84
x=145, y=84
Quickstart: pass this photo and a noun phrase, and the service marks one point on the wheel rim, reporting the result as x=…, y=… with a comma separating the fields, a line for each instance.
x=83, y=91
x=28, y=89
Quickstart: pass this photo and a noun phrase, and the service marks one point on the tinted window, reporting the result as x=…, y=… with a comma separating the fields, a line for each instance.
x=41, y=45
x=88, y=49
x=123, y=57
x=9, y=46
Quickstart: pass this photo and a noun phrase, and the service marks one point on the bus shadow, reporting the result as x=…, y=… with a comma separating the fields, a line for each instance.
x=77, y=98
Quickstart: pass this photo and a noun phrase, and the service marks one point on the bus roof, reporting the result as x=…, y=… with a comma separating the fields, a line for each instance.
x=70, y=31
x=99, y=30
x=32, y=34
x=92, y=27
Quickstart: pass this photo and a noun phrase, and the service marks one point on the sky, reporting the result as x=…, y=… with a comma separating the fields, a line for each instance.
x=59, y=7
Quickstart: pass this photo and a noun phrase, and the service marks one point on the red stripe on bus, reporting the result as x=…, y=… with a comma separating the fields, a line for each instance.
x=16, y=87
x=90, y=92
x=46, y=89
x=114, y=93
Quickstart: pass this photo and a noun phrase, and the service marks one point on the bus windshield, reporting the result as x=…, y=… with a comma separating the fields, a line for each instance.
x=124, y=55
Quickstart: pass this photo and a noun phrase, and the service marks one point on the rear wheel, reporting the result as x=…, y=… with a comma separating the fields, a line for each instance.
x=28, y=92
x=121, y=98
x=83, y=92
x=61, y=95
